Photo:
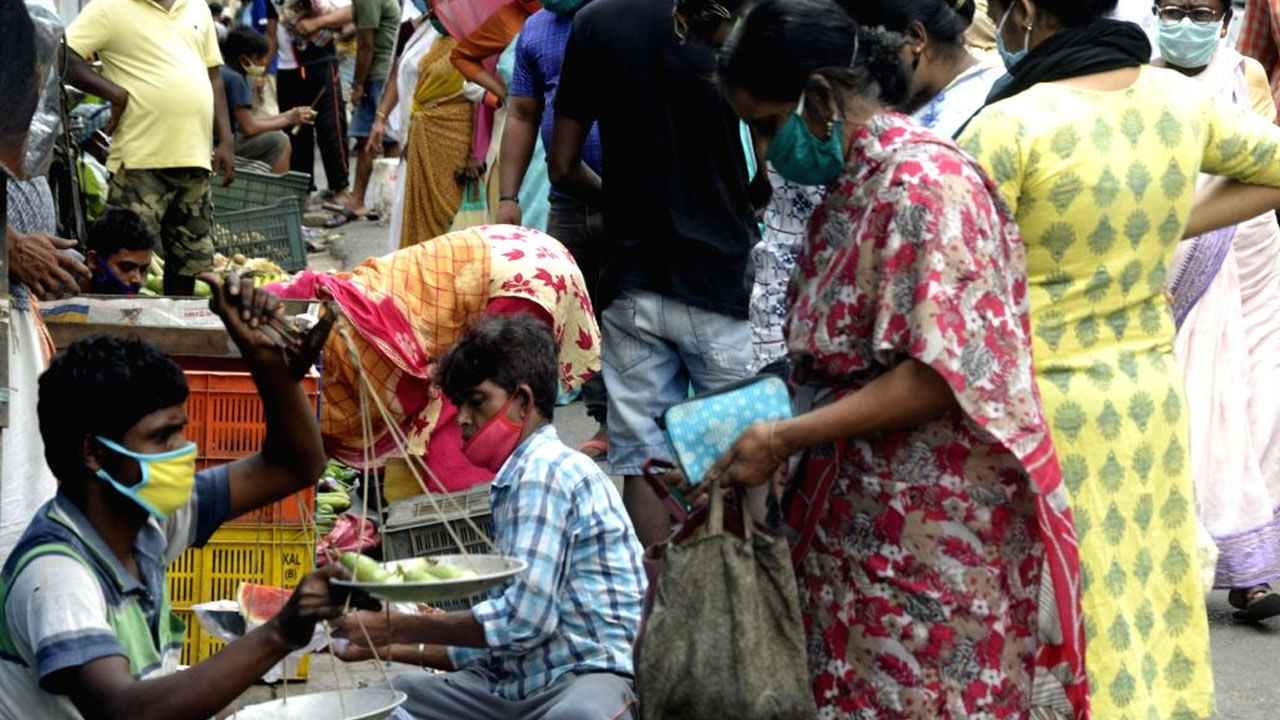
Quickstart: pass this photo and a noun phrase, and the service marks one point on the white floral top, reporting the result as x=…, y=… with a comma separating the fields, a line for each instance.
x=786, y=221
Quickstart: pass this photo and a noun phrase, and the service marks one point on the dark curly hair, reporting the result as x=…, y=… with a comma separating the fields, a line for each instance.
x=780, y=43
x=102, y=385
x=945, y=21
x=510, y=351
x=121, y=229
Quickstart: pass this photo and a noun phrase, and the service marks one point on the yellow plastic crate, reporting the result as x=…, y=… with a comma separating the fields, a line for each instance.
x=276, y=555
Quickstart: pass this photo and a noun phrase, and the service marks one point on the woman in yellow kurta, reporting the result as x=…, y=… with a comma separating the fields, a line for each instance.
x=438, y=146
x=1098, y=155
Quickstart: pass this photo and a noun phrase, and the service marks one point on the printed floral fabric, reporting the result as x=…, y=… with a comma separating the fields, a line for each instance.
x=786, y=220
x=407, y=308
x=922, y=584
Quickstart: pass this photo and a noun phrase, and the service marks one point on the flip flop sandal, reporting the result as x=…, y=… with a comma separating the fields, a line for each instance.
x=340, y=218
x=1256, y=604
x=597, y=450
x=370, y=215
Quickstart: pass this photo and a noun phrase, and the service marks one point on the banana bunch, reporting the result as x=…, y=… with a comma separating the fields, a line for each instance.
x=261, y=270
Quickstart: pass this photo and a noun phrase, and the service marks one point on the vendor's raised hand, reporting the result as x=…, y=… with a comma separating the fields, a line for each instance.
x=752, y=461
x=254, y=317
x=317, y=600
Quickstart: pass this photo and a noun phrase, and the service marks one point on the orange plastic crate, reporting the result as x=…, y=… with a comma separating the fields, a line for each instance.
x=225, y=419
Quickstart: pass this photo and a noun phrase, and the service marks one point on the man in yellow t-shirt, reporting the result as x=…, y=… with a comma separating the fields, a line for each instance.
x=160, y=71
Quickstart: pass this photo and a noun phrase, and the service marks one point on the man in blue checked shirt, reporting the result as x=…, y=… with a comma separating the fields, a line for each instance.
x=556, y=642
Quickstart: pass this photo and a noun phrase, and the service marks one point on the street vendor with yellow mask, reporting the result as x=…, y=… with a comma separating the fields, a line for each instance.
x=86, y=629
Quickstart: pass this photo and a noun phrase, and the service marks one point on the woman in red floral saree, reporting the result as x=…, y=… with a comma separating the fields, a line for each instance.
x=928, y=507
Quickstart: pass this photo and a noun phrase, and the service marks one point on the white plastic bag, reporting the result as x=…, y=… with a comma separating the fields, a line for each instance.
x=383, y=182
x=218, y=619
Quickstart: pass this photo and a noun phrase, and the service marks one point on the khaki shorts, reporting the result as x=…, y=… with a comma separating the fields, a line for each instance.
x=175, y=204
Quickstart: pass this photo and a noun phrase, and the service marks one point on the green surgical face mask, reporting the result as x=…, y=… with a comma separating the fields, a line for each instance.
x=799, y=156
x=168, y=478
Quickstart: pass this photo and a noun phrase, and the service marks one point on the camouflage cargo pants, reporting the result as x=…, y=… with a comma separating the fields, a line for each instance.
x=175, y=204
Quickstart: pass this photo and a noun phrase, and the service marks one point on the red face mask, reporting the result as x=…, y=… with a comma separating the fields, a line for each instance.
x=492, y=444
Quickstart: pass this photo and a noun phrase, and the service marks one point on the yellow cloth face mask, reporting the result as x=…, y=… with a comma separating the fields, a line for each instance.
x=168, y=478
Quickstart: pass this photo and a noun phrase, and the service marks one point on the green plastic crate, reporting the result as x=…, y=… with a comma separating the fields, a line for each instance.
x=273, y=232
x=255, y=189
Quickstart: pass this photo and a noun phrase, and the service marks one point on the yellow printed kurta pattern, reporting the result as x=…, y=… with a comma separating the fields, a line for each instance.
x=1102, y=185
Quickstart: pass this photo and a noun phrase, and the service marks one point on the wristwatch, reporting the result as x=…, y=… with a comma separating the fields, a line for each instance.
x=509, y=198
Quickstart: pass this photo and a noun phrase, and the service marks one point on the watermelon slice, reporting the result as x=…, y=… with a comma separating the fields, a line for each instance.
x=260, y=603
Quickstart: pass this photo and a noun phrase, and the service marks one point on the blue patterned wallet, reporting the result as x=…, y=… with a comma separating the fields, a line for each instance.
x=702, y=429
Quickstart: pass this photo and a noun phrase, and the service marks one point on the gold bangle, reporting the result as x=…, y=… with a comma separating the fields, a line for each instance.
x=380, y=115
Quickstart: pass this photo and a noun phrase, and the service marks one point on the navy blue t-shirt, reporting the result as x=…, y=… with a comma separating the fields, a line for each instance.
x=677, y=211
x=238, y=93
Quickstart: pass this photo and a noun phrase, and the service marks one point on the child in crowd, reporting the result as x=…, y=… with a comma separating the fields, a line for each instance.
x=260, y=139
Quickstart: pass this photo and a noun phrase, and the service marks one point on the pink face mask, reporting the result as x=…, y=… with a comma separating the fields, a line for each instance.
x=492, y=444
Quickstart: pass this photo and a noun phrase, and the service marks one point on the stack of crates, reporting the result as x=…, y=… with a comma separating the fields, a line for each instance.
x=272, y=546
x=420, y=527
